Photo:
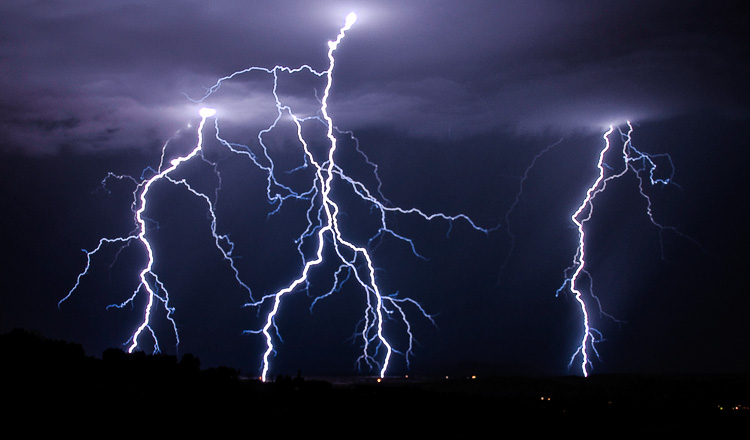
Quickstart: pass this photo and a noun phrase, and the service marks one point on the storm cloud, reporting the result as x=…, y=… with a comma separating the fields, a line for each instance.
x=115, y=74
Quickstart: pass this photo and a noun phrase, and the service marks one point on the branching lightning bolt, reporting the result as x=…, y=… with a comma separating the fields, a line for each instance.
x=149, y=280
x=355, y=261
x=644, y=167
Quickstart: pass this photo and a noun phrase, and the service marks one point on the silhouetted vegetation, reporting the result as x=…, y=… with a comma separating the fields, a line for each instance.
x=55, y=379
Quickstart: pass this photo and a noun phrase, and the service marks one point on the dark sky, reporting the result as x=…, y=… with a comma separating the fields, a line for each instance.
x=453, y=101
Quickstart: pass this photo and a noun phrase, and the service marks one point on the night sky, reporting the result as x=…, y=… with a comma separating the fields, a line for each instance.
x=453, y=101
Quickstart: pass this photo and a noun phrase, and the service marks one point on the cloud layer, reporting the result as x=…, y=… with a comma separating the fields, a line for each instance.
x=114, y=75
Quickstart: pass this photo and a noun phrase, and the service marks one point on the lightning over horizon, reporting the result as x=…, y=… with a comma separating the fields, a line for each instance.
x=648, y=171
x=285, y=189
x=324, y=238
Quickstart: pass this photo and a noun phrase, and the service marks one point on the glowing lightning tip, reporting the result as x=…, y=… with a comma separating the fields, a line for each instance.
x=350, y=19
x=206, y=112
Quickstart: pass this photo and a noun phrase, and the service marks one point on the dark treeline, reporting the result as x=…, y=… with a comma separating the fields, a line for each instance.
x=57, y=381
x=50, y=372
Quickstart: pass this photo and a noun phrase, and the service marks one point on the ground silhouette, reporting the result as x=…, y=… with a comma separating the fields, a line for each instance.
x=55, y=381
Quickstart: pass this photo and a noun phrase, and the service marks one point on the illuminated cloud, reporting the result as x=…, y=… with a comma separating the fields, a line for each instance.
x=114, y=74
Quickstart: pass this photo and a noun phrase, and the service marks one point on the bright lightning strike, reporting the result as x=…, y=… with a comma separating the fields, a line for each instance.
x=322, y=237
x=149, y=280
x=644, y=167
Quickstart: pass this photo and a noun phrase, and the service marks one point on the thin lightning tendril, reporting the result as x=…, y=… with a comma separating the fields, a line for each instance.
x=517, y=199
x=355, y=261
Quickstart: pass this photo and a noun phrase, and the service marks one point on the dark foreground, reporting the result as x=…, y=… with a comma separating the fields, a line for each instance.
x=51, y=386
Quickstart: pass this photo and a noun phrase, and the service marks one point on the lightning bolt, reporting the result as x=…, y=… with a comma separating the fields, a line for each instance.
x=323, y=232
x=155, y=290
x=644, y=167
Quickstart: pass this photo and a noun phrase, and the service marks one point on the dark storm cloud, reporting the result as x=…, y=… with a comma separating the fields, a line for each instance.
x=120, y=68
x=427, y=68
x=532, y=65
